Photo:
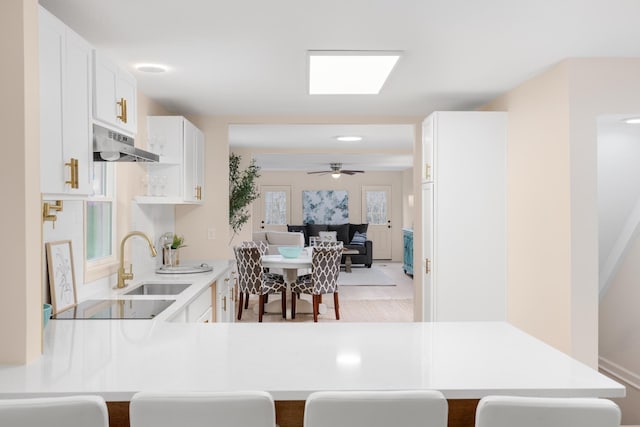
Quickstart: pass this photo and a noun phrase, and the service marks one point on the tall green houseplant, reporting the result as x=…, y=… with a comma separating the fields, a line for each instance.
x=243, y=190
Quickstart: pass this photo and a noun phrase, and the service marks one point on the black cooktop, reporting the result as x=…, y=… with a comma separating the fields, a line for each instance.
x=115, y=309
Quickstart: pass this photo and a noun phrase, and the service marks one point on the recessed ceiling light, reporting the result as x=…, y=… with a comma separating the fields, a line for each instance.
x=632, y=120
x=349, y=138
x=152, y=68
x=349, y=72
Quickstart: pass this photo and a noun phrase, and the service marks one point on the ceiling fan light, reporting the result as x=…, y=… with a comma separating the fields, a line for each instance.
x=335, y=175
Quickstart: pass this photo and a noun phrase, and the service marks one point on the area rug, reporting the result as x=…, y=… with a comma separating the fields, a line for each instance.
x=364, y=277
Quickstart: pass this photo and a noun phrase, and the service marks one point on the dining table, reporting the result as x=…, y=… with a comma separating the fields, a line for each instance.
x=292, y=268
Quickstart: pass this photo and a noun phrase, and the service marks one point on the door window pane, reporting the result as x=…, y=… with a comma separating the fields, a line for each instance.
x=376, y=207
x=275, y=207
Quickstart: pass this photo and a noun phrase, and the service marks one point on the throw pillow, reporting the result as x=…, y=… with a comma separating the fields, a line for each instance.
x=314, y=229
x=359, y=238
x=360, y=228
x=327, y=236
x=342, y=232
x=299, y=229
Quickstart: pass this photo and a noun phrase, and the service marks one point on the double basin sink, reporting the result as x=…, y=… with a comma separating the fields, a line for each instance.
x=128, y=308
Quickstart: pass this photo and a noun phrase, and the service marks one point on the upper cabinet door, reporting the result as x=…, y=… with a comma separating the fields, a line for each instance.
x=114, y=97
x=199, y=164
x=65, y=109
x=76, y=115
x=193, y=163
x=51, y=59
x=189, y=165
x=179, y=175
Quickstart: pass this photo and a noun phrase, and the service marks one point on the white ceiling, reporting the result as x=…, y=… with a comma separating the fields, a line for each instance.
x=249, y=57
x=308, y=147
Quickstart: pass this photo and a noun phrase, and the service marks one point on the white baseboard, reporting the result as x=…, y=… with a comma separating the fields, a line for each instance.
x=619, y=372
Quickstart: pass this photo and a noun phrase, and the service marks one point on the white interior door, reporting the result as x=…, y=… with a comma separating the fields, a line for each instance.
x=376, y=211
x=275, y=207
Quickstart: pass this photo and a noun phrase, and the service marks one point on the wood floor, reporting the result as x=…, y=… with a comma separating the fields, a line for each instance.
x=359, y=303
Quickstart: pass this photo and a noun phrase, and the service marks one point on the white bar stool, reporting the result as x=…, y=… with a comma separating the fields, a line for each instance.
x=419, y=408
x=70, y=411
x=200, y=409
x=507, y=411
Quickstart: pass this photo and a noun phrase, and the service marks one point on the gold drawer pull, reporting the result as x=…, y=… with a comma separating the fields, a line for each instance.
x=73, y=169
x=123, y=110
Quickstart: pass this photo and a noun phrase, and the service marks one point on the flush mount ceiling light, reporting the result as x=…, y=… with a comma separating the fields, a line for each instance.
x=152, y=68
x=349, y=138
x=632, y=120
x=349, y=72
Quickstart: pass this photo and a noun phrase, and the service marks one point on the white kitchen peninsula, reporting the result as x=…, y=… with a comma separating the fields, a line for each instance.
x=464, y=360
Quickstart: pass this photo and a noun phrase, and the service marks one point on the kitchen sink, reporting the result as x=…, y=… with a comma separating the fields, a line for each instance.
x=162, y=288
x=115, y=309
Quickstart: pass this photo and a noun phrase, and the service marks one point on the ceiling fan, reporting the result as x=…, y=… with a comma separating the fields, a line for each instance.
x=336, y=171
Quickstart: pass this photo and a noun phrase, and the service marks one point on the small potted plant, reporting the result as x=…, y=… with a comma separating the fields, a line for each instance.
x=170, y=253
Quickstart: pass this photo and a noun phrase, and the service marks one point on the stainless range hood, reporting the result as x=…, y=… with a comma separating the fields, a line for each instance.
x=110, y=146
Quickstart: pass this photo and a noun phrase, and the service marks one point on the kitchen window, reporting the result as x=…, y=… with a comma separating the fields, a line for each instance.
x=100, y=259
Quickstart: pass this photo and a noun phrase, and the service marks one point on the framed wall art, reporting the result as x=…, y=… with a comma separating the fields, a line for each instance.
x=325, y=207
x=62, y=279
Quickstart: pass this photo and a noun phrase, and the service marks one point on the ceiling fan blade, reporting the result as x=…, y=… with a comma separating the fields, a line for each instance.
x=320, y=172
x=350, y=172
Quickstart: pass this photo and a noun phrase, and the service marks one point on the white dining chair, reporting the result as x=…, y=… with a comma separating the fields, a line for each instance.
x=68, y=411
x=200, y=409
x=507, y=411
x=416, y=408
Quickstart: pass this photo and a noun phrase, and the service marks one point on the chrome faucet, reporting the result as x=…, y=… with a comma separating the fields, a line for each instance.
x=122, y=275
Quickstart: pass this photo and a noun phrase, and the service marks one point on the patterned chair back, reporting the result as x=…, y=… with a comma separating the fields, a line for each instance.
x=326, y=267
x=249, y=268
x=262, y=246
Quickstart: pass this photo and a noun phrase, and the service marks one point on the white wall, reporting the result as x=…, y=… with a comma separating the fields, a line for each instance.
x=618, y=189
x=619, y=242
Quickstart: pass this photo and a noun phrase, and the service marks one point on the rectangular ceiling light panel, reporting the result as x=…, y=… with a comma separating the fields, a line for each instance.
x=349, y=72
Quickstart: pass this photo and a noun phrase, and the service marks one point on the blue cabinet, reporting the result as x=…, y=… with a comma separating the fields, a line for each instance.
x=407, y=259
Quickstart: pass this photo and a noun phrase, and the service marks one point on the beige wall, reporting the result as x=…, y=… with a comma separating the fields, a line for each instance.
x=21, y=312
x=538, y=207
x=129, y=174
x=408, y=199
x=301, y=181
x=552, y=200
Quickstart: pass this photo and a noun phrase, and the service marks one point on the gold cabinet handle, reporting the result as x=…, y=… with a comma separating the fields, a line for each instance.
x=428, y=266
x=427, y=172
x=198, y=192
x=123, y=110
x=224, y=303
x=73, y=170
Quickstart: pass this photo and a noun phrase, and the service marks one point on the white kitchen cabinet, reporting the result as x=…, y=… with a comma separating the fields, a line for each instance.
x=225, y=305
x=196, y=310
x=65, y=109
x=114, y=95
x=464, y=216
x=216, y=303
x=179, y=175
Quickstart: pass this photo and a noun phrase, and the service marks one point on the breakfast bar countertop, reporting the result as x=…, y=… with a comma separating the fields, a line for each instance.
x=464, y=360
